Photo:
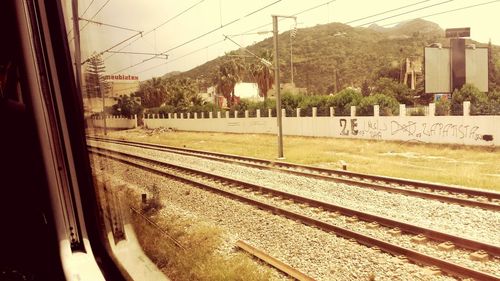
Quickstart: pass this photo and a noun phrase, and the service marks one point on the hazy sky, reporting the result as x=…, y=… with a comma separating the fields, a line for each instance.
x=207, y=15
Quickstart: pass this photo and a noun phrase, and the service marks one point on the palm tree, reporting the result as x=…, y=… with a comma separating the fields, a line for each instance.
x=153, y=92
x=262, y=75
x=227, y=75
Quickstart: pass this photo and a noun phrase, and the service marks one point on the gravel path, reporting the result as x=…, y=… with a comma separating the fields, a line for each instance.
x=473, y=223
x=321, y=255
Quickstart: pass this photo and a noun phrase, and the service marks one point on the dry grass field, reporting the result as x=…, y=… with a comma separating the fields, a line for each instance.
x=477, y=167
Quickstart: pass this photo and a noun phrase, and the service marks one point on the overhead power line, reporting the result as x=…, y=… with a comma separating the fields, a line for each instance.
x=110, y=25
x=385, y=12
x=406, y=6
x=200, y=36
x=178, y=58
x=108, y=49
x=448, y=11
x=296, y=14
x=407, y=12
x=86, y=9
x=160, y=25
x=96, y=13
x=220, y=41
x=136, y=53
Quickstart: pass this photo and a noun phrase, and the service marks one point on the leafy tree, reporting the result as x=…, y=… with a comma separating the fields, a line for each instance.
x=127, y=106
x=392, y=72
x=182, y=93
x=95, y=84
x=152, y=92
x=262, y=75
x=290, y=102
x=470, y=93
x=394, y=89
x=343, y=100
x=226, y=76
x=493, y=79
x=387, y=105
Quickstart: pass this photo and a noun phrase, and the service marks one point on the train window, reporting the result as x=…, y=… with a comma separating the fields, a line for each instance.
x=273, y=139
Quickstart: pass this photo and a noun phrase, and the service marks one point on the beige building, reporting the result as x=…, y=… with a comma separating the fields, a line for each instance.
x=118, y=85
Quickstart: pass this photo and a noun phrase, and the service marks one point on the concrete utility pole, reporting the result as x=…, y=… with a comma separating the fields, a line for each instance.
x=277, y=83
x=103, y=107
x=76, y=37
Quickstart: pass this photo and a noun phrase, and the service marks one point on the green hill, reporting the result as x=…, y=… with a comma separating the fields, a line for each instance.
x=336, y=53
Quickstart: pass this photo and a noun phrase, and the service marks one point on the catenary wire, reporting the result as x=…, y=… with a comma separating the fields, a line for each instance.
x=200, y=36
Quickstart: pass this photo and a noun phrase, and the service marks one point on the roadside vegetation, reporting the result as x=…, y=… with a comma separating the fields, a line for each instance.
x=200, y=259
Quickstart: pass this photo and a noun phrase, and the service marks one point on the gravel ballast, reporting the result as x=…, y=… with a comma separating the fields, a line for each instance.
x=319, y=254
x=472, y=223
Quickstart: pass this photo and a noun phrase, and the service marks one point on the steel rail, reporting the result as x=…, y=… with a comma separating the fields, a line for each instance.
x=406, y=227
x=290, y=271
x=329, y=174
x=416, y=257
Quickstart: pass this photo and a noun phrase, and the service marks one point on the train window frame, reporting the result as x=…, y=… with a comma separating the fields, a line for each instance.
x=48, y=73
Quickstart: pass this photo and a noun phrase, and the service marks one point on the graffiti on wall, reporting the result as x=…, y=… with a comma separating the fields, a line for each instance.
x=377, y=128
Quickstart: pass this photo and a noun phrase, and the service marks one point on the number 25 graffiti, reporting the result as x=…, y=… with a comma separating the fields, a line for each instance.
x=354, y=127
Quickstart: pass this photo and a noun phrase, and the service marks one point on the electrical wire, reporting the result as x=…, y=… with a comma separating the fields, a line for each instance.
x=84, y=12
x=178, y=58
x=326, y=3
x=159, y=26
x=200, y=36
x=385, y=12
x=98, y=11
x=218, y=42
x=110, y=25
x=91, y=2
x=448, y=11
x=407, y=12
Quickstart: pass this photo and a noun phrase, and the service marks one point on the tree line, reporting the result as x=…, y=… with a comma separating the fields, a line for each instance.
x=181, y=94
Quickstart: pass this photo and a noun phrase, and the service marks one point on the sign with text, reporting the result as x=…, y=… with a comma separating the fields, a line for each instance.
x=121, y=77
x=457, y=32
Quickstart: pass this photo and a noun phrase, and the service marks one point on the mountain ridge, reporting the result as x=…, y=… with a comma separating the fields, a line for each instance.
x=336, y=55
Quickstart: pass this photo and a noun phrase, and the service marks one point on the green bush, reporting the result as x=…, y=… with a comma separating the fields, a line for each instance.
x=126, y=106
x=443, y=107
x=470, y=93
x=392, y=88
x=388, y=105
x=343, y=101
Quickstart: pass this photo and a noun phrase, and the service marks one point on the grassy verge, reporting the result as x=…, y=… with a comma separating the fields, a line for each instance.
x=452, y=164
x=200, y=260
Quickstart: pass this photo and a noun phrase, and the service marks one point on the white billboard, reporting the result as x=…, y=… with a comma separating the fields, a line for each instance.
x=437, y=70
x=476, y=68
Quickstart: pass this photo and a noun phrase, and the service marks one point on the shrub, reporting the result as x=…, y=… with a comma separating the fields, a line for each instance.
x=470, y=93
x=388, y=105
x=343, y=101
x=443, y=107
x=418, y=112
x=392, y=88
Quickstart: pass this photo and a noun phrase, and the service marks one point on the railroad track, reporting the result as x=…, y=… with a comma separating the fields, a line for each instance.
x=278, y=202
x=464, y=196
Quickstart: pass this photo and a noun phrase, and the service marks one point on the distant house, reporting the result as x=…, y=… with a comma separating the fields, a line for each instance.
x=249, y=91
x=242, y=90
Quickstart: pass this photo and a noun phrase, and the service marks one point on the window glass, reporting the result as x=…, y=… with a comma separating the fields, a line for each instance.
x=376, y=158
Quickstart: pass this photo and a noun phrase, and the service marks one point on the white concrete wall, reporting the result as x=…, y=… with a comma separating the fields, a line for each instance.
x=115, y=122
x=468, y=130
